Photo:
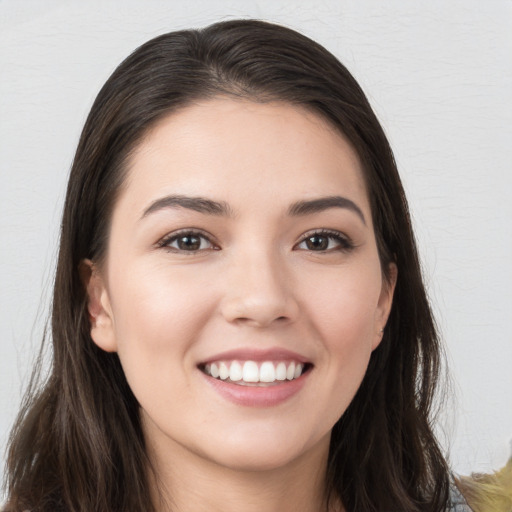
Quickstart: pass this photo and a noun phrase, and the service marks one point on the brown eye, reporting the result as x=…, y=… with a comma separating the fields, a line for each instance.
x=187, y=242
x=317, y=243
x=325, y=242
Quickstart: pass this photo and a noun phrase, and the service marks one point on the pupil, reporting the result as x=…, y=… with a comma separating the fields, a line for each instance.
x=189, y=243
x=317, y=242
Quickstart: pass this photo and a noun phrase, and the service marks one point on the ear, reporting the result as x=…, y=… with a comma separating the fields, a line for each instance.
x=98, y=306
x=384, y=304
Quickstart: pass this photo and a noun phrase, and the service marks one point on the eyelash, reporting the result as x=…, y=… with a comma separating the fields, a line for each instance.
x=165, y=242
x=344, y=243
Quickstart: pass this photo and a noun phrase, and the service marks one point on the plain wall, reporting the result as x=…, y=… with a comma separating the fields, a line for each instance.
x=439, y=75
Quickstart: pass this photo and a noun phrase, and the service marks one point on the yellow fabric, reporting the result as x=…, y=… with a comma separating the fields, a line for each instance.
x=488, y=492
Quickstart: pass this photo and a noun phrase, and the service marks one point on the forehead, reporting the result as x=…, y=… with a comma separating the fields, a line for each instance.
x=237, y=150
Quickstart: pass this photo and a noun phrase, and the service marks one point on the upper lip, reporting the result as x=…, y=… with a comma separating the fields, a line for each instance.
x=257, y=355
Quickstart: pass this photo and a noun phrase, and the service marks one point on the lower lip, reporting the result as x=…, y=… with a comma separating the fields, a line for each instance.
x=257, y=396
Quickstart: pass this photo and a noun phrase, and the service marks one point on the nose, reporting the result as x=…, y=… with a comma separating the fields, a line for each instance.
x=259, y=292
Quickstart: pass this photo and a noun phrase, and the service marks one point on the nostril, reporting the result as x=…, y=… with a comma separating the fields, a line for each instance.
x=260, y=321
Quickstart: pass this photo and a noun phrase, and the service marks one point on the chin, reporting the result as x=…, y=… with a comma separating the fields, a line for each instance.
x=255, y=460
x=266, y=452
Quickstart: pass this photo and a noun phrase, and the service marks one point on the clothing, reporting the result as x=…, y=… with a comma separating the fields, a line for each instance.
x=457, y=501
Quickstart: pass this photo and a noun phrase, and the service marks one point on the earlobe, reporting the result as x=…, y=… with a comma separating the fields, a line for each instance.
x=98, y=306
x=385, y=303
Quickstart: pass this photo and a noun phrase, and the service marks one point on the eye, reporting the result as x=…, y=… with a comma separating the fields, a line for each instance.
x=325, y=241
x=187, y=241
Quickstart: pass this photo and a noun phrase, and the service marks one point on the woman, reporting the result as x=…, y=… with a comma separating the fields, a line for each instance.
x=239, y=319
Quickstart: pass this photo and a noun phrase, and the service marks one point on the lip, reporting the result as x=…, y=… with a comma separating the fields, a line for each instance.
x=258, y=396
x=257, y=355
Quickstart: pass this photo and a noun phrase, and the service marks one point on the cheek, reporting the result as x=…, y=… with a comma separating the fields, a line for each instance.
x=158, y=316
x=344, y=305
x=342, y=311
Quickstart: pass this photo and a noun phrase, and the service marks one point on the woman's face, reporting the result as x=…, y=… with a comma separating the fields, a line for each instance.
x=242, y=287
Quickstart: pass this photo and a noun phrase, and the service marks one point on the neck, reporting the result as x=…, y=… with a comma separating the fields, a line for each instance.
x=184, y=481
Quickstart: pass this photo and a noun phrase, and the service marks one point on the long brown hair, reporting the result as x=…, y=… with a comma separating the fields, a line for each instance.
x=78, y=444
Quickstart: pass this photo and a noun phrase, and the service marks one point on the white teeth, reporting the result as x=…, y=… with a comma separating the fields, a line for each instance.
x=267, y=372
x=290, y=373
x=223, y=371
x=281, y=371
x=251, y=372
x=235, y=372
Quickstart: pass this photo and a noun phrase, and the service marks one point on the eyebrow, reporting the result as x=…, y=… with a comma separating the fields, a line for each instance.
x=324, y=203
x=198, y=204
x=221, y=208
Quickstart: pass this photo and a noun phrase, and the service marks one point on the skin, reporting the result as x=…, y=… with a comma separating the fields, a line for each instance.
x=254, y=282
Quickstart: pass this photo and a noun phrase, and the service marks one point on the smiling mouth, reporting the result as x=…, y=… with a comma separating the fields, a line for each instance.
x=252, y=373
